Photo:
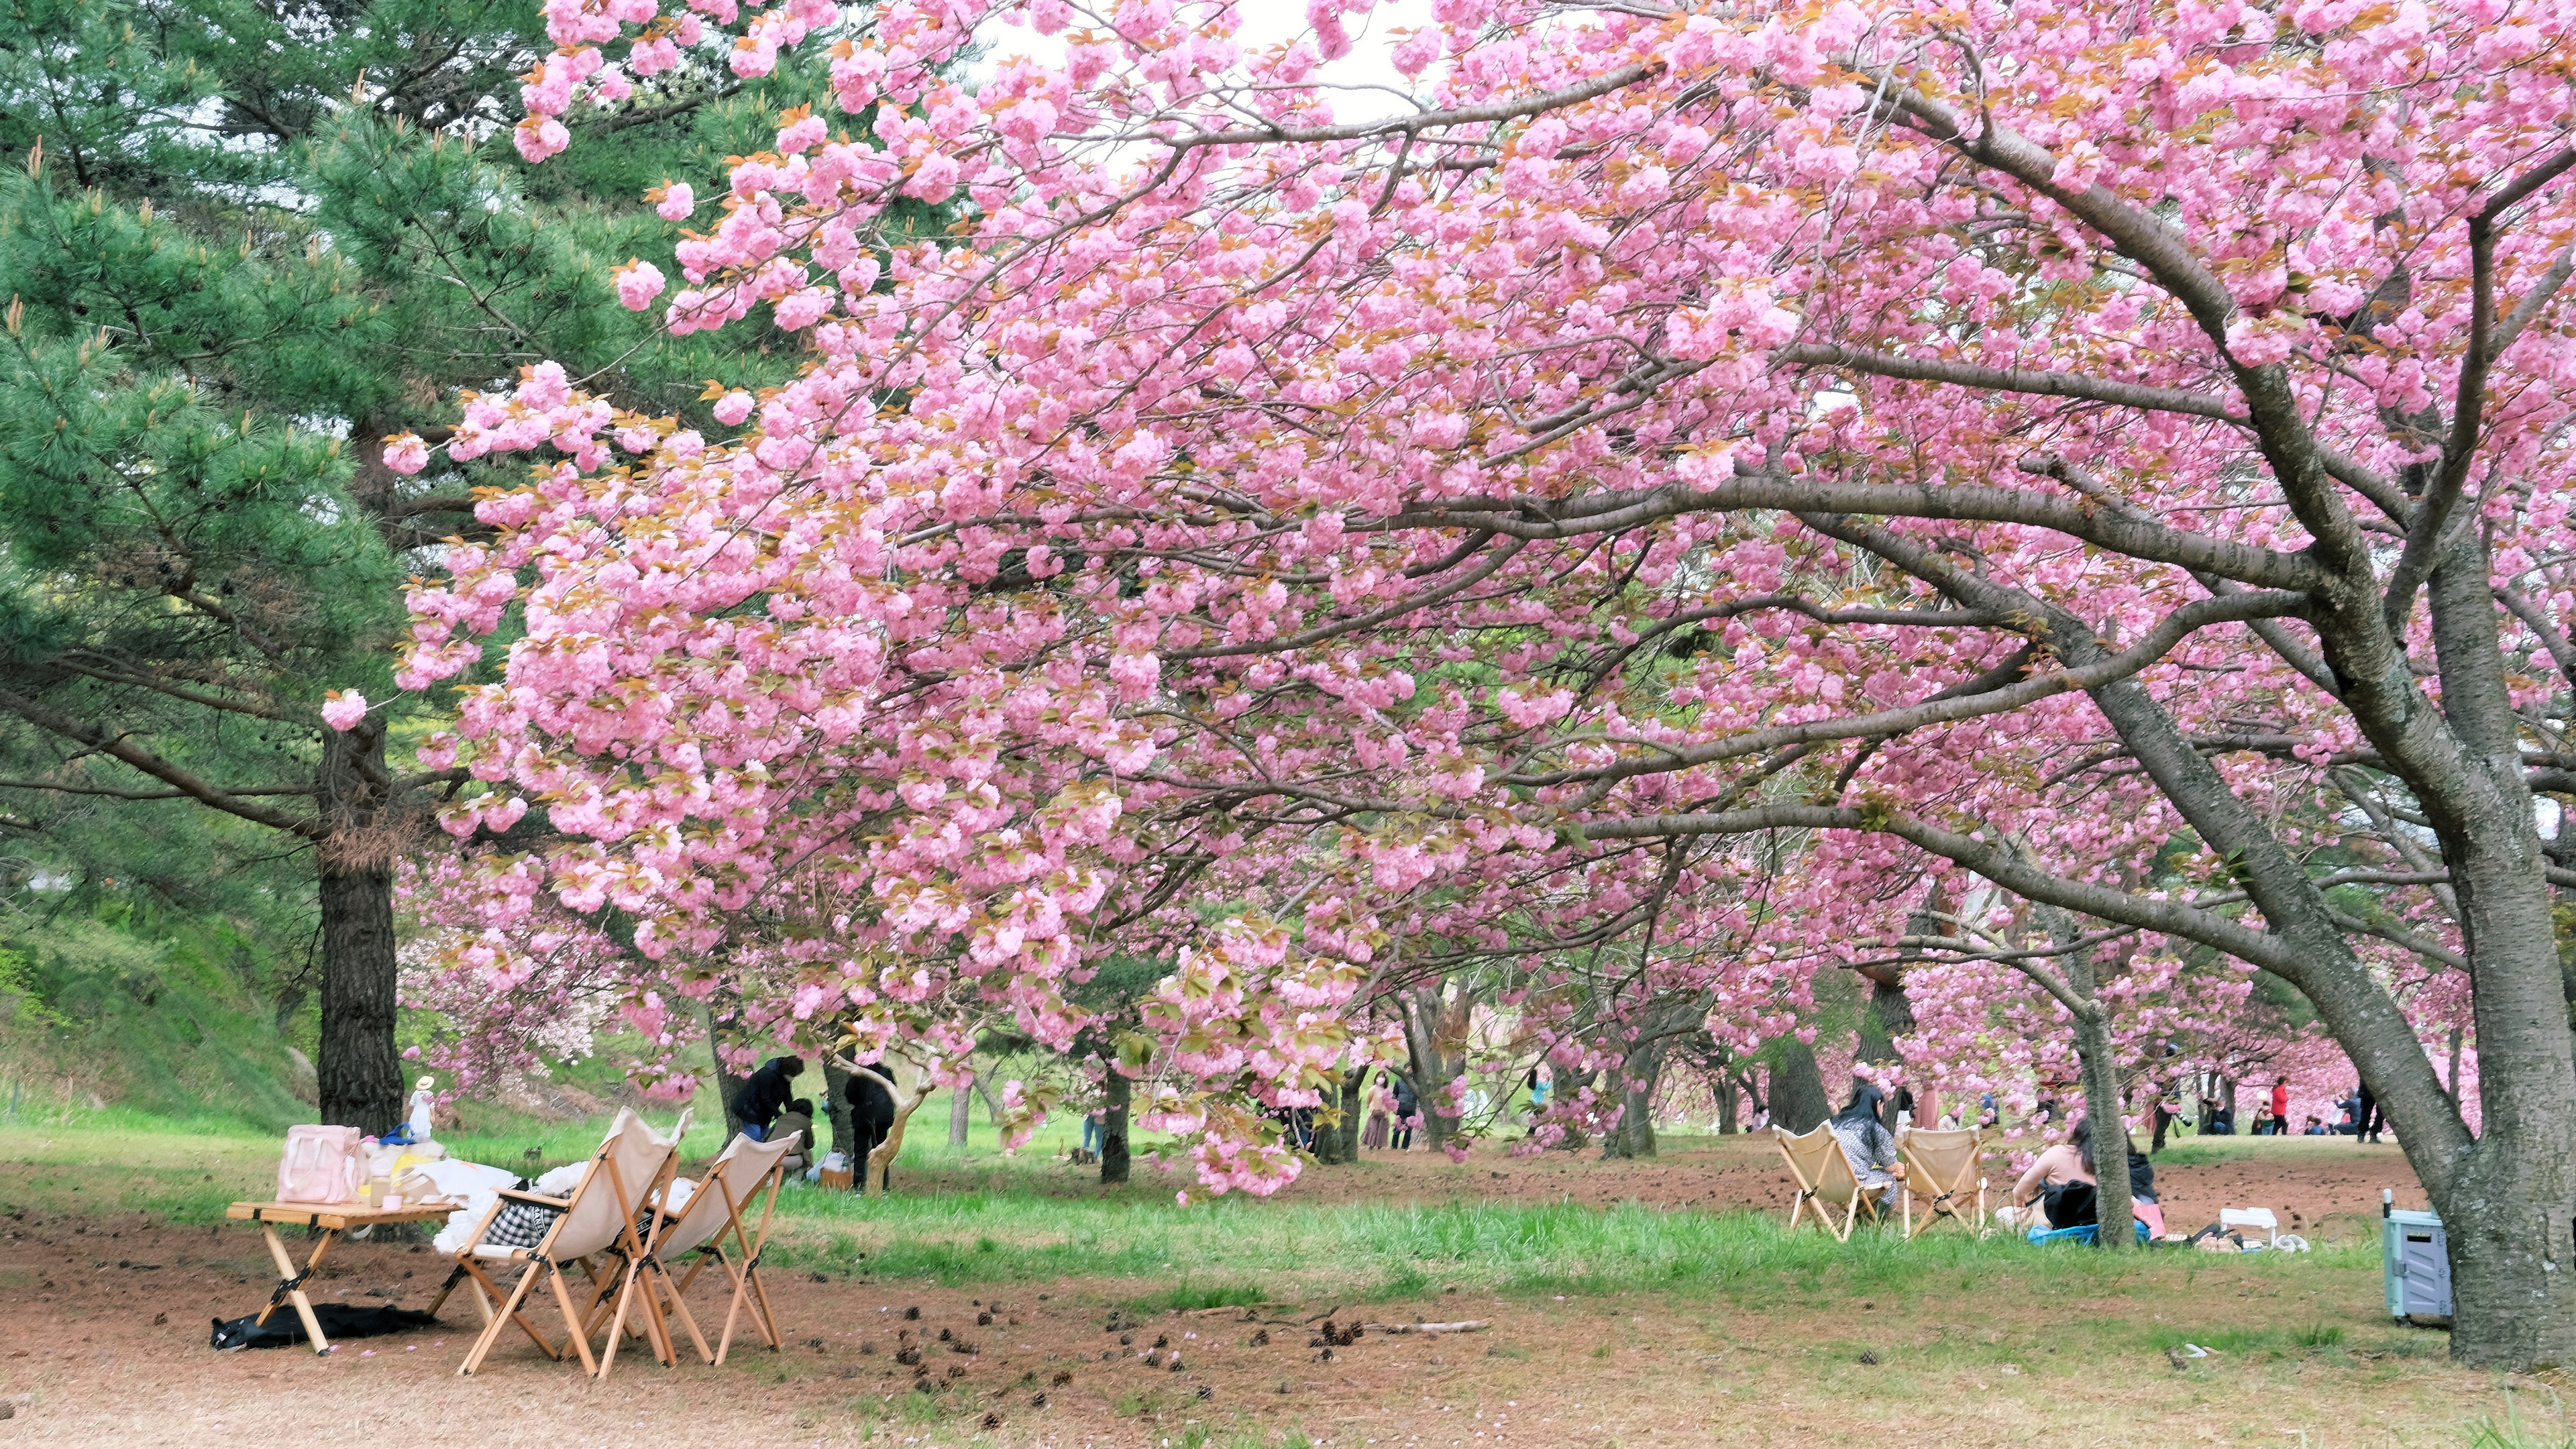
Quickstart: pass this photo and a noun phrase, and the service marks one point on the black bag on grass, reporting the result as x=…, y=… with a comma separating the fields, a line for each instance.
x=339, y=1321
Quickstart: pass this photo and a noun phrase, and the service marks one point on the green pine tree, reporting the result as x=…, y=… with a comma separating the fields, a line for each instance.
x=248, y=242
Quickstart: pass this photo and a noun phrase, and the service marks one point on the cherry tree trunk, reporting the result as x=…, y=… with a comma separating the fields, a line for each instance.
x=358, y=1070
x=960, y=1102
x=1633, y=1135
x=2110, y=1135
x=728, y=1082
x=1887, y=1016
x=1568, y=1086
x=1726, y=1099
x=836, y=1088
x=1797, y=1090
x=1113, y=1128
x=1430, y=1022
x=1340, y=1142
x=2509, y=1204
x=2099, y=1067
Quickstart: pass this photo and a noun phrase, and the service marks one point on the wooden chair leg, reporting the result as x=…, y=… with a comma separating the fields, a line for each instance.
x=768, y=1316
x=572, y=1320
x=617, y=1326
x=680, y=1306
x=509, y=1310
x=657, y=1325
x=487, y=1294
x=733, y=1310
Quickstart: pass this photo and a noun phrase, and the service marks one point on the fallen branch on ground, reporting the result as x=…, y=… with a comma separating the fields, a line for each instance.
x=1472, y=1325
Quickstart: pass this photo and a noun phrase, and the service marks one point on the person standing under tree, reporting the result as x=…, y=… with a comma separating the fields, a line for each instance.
x=1381, y=1111
x=422, y=1107
x=2281, y=1107
x=2366, y=1121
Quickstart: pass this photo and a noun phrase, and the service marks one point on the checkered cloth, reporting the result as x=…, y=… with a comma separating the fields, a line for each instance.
x=520, y=1225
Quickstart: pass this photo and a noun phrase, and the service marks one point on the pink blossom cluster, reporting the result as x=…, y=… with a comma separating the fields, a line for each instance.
x=1316, y=550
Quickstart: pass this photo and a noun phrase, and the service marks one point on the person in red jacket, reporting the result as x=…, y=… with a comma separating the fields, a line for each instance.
x=2281, y=1107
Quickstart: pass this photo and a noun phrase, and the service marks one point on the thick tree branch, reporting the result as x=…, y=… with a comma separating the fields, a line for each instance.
x=2136, y=537
x=2199, y=614
x=45, y=717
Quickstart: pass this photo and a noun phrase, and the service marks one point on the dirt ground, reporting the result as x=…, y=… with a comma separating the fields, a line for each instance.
x=109, y=1320
x=1714, y=1174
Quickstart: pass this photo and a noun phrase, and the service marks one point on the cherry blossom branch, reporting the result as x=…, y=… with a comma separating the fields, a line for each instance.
x=2175, y=627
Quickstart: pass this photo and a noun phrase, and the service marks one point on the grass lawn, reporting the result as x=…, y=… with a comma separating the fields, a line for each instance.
x=1678, y=1316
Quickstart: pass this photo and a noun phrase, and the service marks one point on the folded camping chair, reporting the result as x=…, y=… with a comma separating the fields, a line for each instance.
x=1826, y=1182
x=597, y=1217
x=1942, y=1167
x=704, y=1224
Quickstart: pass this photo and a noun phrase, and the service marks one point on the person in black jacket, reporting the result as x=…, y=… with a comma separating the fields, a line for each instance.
x=871, y=1121
x=766, y=1094
x=1408, y=1106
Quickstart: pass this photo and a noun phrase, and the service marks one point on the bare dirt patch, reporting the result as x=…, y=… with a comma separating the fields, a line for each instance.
x=110, y=1317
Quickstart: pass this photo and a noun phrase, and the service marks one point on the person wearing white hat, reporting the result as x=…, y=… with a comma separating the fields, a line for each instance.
x=424, y=1101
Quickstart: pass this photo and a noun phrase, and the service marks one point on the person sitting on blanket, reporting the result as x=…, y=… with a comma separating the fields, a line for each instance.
x=2037, y=1197
x=1870, y=1146
x=2060, y=1188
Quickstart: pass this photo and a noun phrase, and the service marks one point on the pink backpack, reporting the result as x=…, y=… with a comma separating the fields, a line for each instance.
x=320, y=1165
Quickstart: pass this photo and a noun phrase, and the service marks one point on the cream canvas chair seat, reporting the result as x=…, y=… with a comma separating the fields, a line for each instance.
x=1827, y=1186
x=710, y=1225
x=1941, y=1168
x=597, y=1218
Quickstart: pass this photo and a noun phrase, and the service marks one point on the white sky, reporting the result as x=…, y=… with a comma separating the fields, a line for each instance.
x=1264, y=23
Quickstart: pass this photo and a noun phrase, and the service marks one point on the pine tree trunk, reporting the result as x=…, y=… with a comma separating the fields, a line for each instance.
x=1797, y=1090
x=1113, y=1128
x=358, y=1070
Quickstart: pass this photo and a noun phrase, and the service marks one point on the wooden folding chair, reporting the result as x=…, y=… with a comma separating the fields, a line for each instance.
x=704, y=1224
x=1942, y=1168
x=1825, y=1180
x=598, y=1217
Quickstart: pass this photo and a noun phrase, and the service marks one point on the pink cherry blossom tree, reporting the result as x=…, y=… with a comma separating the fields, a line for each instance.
x=1671, y=470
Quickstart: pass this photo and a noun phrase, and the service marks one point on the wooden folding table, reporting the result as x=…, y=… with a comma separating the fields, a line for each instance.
x=333, y=1219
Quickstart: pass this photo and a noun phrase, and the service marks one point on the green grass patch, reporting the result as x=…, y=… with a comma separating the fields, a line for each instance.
x=1188, y=1297
x=2523, y=1428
